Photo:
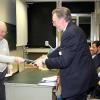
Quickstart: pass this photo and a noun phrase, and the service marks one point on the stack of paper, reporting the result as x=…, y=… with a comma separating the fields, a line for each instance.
x=8, y=75
x=48, y=81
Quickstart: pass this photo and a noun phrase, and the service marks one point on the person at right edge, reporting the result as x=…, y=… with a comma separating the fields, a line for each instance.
x=77, y=71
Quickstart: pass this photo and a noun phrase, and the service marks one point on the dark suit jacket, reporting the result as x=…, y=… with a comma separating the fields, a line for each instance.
x=77, y=71
x=54, y=53
x=96, y=60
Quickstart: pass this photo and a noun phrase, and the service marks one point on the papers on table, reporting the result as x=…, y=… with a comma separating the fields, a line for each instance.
x=48, y=81
x=8, y=75
x=48, y=84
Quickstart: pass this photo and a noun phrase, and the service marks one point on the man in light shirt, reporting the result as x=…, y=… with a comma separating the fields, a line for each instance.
x=5, y=58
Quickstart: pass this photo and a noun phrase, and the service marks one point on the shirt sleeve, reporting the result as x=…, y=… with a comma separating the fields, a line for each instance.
x=66, y=54
x=7, y=59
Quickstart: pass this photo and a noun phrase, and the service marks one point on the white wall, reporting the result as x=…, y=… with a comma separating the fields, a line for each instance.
x=15, y=12
x=8, y=11
x=95, y=23
x=21, y=22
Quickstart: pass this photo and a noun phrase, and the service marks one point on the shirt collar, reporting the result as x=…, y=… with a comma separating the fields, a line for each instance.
x=93, y=56
x=65, y=28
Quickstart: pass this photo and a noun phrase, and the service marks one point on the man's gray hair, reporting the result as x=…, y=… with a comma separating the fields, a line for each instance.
x=62, y=12
x=3, y=24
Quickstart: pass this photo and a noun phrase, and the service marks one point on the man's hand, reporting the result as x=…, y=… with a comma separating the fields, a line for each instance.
x=19, y=60
x=39, y=63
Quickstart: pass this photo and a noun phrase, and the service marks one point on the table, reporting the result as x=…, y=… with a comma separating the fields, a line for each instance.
x=24, y=85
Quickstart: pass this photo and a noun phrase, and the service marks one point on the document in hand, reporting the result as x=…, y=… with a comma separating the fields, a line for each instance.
x=48, y=81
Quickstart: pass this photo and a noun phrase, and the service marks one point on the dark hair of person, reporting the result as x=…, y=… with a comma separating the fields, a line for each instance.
x=97, y=43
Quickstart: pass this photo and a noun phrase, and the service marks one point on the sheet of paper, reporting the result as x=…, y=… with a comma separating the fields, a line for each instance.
x=50, y=79
x=8, y=75
x=48, y=84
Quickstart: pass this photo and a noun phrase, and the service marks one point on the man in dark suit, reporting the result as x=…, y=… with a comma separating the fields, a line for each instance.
x=95, y=51
x=73, y=58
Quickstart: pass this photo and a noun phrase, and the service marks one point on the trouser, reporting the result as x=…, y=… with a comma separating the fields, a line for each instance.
x=2, y=87
x=82, y=96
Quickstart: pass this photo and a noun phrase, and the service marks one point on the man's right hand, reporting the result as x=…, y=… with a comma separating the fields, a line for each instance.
x=19, y=59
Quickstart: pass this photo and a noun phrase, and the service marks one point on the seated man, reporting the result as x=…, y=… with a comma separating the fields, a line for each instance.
x=95, y=51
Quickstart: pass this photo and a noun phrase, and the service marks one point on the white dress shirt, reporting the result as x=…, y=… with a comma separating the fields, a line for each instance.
x=4, y=50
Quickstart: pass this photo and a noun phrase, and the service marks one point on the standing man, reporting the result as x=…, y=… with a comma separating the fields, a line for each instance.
x=74, y=60
x=5, y=58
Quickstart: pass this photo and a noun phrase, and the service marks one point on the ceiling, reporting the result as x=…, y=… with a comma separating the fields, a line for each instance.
x=59, y=0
